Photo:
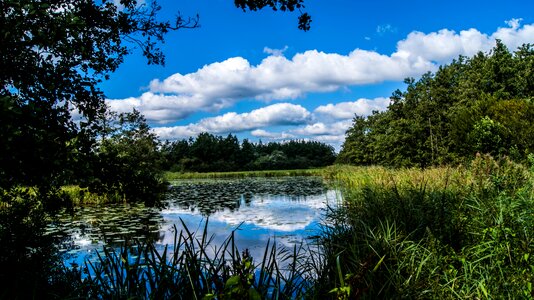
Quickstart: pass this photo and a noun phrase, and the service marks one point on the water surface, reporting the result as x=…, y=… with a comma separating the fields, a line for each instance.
x=286, y=210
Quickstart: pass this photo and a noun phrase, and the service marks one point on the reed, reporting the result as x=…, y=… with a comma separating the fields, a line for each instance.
x=441, y=233
x=193, y=268
x=172, y=176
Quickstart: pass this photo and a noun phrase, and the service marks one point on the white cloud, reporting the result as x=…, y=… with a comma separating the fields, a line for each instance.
x=347, y=110
x=385, y=28
x=221, y=84
x=275, y=52
x=320, y=128
x=272, y=115
x=162, y=108
x=261, y=133
x=444, y=45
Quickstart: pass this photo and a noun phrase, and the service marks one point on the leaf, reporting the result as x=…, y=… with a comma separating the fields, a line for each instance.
x=234, y=280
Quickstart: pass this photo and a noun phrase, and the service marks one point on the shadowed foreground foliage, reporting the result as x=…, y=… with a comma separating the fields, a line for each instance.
x=198, y=270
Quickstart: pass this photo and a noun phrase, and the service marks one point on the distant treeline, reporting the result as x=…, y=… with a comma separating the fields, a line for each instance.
x=211, y=153
x=480, y=104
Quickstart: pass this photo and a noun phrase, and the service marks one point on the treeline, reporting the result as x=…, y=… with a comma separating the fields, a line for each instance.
x=210, y=153
x=480, y=104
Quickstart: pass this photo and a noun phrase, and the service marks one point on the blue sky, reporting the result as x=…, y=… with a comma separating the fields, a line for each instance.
x=257, y=76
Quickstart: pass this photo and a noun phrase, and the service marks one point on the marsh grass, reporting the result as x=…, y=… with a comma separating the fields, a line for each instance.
x=441, y=233
x=80, y=196
x=172, y=176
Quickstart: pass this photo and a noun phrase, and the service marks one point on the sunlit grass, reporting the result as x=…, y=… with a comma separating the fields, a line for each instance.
x=440, y=233
x=462, y=232
x=82, y=196
x=172, y=176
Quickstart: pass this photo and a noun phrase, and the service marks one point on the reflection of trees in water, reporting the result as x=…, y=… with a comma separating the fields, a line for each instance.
x=215, y=195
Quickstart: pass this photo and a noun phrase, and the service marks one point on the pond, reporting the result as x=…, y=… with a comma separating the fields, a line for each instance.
x=286, y=210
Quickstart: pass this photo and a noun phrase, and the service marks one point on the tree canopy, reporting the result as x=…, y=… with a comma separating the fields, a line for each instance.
x=53, y=54
x=479, y=104
x=55, y=125
x=210, y=153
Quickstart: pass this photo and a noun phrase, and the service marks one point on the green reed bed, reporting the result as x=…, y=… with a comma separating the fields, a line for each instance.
x=441, y=233
x=171, y=176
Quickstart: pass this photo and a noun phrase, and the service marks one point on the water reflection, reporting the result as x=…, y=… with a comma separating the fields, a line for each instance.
x=285, y=209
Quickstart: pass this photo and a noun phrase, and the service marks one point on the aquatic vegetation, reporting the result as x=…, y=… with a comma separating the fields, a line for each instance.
x=213, y=195
x=198, y=270
x=172, y=176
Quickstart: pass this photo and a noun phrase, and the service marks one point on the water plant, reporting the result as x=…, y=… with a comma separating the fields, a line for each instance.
x=192, y=268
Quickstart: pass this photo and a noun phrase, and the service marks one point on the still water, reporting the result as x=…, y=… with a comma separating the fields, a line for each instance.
x=286, y=210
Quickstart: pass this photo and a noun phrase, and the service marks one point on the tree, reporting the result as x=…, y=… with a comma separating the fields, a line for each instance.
x=127, y=161
x=53, y=54
x=283, y=5
x=477, y=104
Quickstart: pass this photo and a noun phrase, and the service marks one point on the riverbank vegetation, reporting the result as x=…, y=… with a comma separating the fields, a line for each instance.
x=438, y=233
x=173, y=176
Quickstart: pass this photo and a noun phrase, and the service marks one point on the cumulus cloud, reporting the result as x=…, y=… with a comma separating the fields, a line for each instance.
x=444, y=45
x=261, y=133
x=321, y=128
x=273, y=115
x=221, y=84
x=347, y=110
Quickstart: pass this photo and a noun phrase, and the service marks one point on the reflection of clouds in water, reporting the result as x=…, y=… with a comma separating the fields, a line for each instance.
x=276, y=218
x=275, y=213
x=285, y=219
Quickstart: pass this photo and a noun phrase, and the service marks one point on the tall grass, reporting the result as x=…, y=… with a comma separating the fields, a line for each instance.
x=465, y=232
x=170, y=176
x=441, y=233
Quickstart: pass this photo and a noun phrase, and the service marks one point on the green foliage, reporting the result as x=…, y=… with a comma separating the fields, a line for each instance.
x=478, y=104
x=489, y=136
x=439, y=233
x=170, y=176
x=192, y=270
x=28, y=259
x=126, y=161
x=53, y=55
x=282, y=5
x=210, y=153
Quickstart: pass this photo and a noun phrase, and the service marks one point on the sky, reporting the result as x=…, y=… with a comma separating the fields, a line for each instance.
x=257, y=76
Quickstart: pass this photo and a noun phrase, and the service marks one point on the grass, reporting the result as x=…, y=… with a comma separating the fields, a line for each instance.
x=462, y=232
x=441, y=233
x=196, y=270
x=82, y=196
x=172, y=176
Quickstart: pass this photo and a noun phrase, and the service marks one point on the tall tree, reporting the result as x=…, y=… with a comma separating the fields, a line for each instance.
x=477, y=104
